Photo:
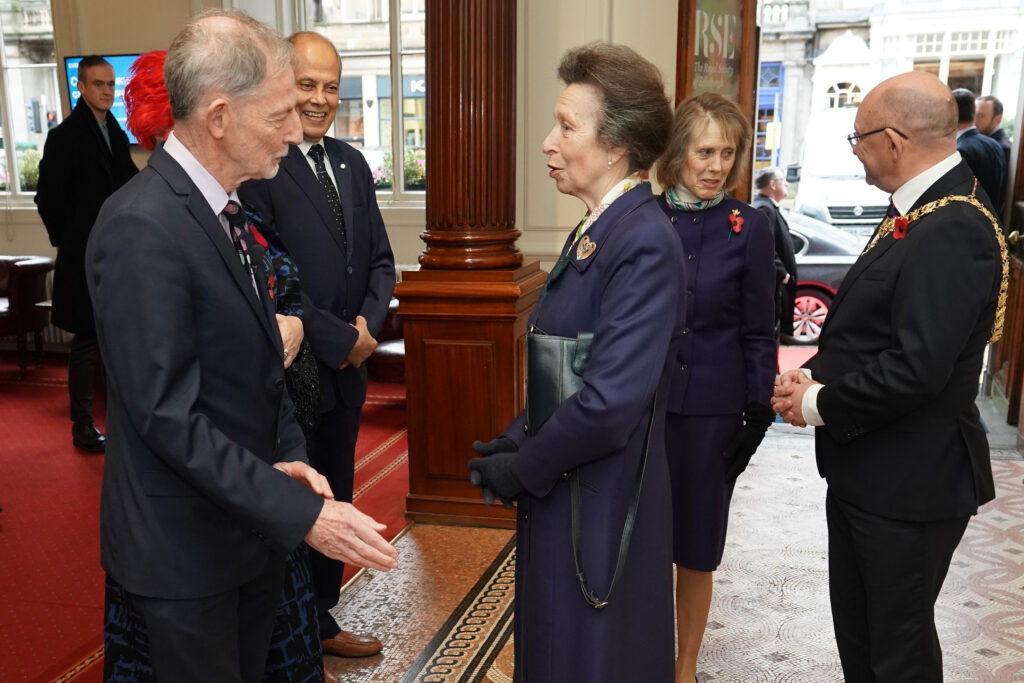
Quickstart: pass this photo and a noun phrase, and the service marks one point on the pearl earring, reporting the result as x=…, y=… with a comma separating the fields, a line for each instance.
x=609, y=163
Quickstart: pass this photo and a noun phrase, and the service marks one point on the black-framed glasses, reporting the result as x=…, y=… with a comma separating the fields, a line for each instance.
x=853, y=138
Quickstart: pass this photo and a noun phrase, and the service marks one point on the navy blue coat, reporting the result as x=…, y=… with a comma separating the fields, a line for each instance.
x=196, y=404
x=987, y=160
x=728, y=356
x=337, y=285
x=628, y=293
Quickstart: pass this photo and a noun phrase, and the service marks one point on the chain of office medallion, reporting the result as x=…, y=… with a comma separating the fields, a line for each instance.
x=888, y=225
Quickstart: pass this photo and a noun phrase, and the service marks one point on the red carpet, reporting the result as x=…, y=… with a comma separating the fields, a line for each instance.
x=51, y=596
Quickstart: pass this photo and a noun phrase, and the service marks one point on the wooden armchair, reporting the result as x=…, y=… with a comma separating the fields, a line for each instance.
x=22, y=286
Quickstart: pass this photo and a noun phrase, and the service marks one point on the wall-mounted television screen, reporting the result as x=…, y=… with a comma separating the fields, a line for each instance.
x=121, y=64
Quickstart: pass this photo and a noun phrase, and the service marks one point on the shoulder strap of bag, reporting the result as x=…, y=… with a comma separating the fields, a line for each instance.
x=627, y=526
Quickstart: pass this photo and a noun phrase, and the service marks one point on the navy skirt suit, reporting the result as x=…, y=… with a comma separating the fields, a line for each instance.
x=627, y=290
x=727, y=359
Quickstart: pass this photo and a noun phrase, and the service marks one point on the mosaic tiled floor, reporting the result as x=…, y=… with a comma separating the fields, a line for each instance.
x=770, y=617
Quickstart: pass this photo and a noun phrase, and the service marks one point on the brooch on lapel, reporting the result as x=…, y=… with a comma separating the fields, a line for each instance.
x=585, y=248
x=736, y=221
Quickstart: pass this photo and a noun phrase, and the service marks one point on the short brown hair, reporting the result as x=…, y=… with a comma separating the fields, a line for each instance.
x=692, y=118
x=635, y=113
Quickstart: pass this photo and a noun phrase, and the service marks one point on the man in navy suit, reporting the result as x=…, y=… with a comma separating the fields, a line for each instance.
x=206, y=486
x=988, y=117
x=983, y=154
x=898, y=436
x=324, y=207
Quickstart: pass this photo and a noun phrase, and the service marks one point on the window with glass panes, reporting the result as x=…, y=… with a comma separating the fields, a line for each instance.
x=29, y=98
x=372, y=37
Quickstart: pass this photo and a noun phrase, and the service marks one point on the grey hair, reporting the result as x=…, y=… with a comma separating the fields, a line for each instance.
x=635, y=112
x=222, y=51
x=765, y=177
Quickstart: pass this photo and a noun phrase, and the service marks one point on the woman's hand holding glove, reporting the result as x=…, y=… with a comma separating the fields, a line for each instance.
x=493, y=473
x=756, y=420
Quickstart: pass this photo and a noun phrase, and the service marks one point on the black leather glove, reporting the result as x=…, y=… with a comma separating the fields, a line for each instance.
x=757, y=417
x=493, y=474
x=502, y=444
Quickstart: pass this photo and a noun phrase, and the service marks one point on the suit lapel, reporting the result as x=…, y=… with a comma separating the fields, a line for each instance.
x=179, y=181
x=298, y=168
x=343, y=178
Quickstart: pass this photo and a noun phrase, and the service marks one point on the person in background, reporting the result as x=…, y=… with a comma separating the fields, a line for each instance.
x=983, y=154
x=324, y=207
x=85, y=159
x=718, y=403
x=772, y=187
x=619, y=277
x=988, y=117
x=891, y=390
x=206, y=486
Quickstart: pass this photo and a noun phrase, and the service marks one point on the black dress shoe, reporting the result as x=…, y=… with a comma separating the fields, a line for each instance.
x=88, y=438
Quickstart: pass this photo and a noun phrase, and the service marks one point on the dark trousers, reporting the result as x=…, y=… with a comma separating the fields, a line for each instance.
x=332, y=451
x=82, y=362
x=221, y=638
x=884, y=577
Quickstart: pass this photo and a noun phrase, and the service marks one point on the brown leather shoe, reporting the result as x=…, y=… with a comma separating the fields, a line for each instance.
x=347, y=644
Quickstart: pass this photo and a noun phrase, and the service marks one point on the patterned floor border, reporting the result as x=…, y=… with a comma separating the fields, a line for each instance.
x=467, y=648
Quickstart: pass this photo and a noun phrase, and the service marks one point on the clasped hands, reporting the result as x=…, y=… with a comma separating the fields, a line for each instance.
x=790, y=388
x=492, y=471
x=364, y=346
x=340, y=531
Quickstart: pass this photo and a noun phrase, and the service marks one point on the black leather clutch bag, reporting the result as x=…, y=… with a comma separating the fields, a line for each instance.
x=554, y=372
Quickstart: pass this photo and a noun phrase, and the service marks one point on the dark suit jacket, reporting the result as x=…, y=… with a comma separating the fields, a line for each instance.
x=76, y=175
x=900, y=355
x=336, y=286
x=785, y=261
x=727, y=357
x=987, y=160
x=196, y=404
x=1000, y=136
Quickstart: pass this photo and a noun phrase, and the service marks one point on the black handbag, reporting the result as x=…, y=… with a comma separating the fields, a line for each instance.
x=554, y=372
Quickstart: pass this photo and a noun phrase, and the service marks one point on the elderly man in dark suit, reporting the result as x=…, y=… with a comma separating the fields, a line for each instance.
x=85, y=159
x=772, y=187
x=206, y=486
x=983, y=154
x=898, y=436
x=324, y=207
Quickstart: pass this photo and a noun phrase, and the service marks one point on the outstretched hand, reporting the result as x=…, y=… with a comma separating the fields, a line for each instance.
x=343, y=533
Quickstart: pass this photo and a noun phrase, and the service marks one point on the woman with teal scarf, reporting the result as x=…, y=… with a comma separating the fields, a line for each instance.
x=718, y=404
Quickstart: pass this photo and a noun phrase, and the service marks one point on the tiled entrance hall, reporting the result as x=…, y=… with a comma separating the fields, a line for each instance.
x=770, y=618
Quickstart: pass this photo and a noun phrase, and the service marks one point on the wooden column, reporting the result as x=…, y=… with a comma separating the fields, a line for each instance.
x=464, y=314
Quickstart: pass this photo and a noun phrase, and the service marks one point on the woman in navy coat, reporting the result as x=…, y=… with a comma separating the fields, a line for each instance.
x=618, y=278
x=718, y=403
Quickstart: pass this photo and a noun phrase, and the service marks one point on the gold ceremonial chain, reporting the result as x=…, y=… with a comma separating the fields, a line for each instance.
x=889, y=224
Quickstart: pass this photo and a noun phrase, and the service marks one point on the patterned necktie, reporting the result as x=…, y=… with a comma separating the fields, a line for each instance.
x=316, y=152
x=239, y=235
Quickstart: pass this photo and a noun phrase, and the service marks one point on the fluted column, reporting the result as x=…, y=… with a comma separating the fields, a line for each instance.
x=471, y=69
x=465, y=312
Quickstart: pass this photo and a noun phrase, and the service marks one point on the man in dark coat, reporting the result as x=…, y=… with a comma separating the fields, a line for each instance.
x=772, y=187
x=988, y=115
x=324, y=207
x=84, y=160
x=898, y=436
x=983, y=154
x=206, y=486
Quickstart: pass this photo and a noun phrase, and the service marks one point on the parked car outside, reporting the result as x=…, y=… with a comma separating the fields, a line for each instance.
x=823, y=256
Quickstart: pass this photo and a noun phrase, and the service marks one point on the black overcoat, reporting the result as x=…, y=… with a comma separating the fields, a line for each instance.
x=76, y=175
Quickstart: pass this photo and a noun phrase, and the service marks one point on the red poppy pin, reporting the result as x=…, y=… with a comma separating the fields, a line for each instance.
x=736, y=220
x=899, y=227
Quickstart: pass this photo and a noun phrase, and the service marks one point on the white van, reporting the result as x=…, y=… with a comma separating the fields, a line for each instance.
x=832, y=186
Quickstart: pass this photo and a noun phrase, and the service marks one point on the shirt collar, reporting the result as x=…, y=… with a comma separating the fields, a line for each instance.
x=305, y=146
x=907, y=195
x=961, y=132
x=211, y=190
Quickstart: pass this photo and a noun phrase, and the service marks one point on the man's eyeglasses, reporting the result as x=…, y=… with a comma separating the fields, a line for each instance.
x=853, y=138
